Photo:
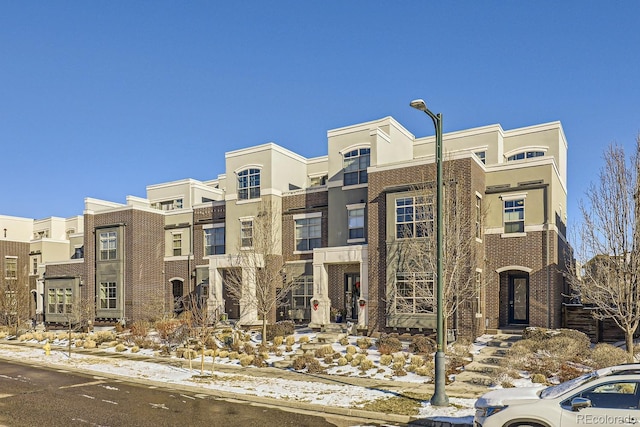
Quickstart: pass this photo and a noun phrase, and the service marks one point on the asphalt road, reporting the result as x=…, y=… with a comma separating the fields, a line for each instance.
x=33, y=396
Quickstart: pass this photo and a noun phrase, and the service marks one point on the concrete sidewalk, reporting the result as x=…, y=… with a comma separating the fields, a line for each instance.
x=342, y=417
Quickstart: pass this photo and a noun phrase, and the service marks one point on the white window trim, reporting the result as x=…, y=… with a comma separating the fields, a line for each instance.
x=356, y=206
x=208, y=226
x=354, y=147
x=307, y=215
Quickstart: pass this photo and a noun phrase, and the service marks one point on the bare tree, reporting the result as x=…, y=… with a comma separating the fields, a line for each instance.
x=414, y=250
x=14, y=298
x=609, y=247
x=201, y=323
x=77, y=315
x=258, y=278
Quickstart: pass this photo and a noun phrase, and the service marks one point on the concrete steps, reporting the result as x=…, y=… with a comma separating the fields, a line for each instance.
x=485, y=365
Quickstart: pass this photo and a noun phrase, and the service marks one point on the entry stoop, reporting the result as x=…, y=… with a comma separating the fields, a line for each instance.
x=331, y=333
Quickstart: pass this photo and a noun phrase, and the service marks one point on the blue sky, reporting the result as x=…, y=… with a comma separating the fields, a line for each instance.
x=100, y=99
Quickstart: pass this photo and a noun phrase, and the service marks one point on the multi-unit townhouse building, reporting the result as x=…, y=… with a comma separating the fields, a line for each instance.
x=340, y=216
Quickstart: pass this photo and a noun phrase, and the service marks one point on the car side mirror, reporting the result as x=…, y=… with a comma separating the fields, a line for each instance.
x=578, y=403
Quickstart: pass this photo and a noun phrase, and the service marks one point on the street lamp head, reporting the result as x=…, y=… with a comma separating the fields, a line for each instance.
x=419, y=104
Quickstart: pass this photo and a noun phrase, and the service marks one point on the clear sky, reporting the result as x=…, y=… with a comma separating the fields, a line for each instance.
x=102, y=98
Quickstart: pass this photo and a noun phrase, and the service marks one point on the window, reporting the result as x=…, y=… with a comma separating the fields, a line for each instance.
x=356, y=163
x=414, y=216
x=214, y=241
x=308, y=233
x=514, y=216
x=482, y=155
x=34, y=264
x=612, y=395
x=59, y=301
x=177, y=244
x=302, y=292
x=525, y=155
x=478, y=217
x=10, y=268
x=246, y=233
x=107, y=297
x=249, y=184
x=414, y=293
x=356, y=224
x=108, y=242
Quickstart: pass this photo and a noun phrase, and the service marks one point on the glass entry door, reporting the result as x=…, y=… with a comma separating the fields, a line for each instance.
x=519, y=300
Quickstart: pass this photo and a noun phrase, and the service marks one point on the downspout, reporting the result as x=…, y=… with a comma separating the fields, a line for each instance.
x=548, y=229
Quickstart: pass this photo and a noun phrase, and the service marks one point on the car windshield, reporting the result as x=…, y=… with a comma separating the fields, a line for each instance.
x=560, y=389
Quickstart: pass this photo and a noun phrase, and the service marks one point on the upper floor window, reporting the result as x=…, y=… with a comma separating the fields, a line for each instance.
x=177, y=244
x=308, y=233
x=414, y=216
x=356, y=163
x=525, y=155
x=108, y=245
x=34, y=265
x=10, y=268
x=214, y=241
x=482, y=155
x=249, y=184
x=514, y=216
x=355, y=218
x=246, y=233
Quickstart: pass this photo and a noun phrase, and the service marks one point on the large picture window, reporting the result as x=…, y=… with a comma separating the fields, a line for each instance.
x=59, y=301
x=414, y=216
x=356, y=163
x=108, y=245
x=308, y=233
x=249, y=184
x=214, y=241
x=108, y=295
x=414, y=293
x=514, y=216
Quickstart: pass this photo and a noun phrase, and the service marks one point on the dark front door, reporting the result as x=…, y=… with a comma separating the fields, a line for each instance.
x=231, y=304
x=519, y=300
x=177, y=291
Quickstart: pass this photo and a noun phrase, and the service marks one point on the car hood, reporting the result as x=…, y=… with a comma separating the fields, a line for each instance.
x=507, y=396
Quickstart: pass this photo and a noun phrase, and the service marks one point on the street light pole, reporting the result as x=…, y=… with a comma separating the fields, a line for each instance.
x=439, y=397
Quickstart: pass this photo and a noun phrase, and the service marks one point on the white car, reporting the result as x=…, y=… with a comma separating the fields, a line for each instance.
x=606, y=397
